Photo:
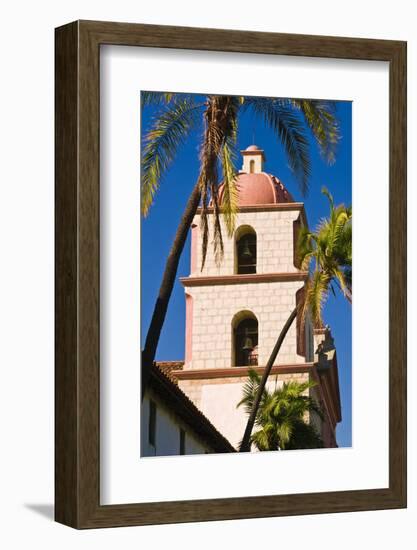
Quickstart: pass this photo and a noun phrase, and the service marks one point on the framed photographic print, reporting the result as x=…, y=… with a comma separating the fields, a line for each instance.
x=217, y=355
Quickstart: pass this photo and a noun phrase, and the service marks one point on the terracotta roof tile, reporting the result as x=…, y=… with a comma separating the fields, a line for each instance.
x=168, y=366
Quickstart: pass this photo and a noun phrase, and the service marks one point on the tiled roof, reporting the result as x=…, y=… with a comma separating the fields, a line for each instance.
x=168, y=366
x=162, y=382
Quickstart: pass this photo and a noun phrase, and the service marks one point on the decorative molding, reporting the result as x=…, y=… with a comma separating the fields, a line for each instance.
x=282, y=206
x=252, y=152
x=237, y=372
x=244, y=279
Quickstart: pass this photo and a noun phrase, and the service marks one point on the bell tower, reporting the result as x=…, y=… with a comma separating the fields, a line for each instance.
x=235, y=310
x=253, y=160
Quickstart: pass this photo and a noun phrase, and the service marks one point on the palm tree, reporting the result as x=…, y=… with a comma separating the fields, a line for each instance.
x=327, y=254
x=280, y=419
x=180, y=114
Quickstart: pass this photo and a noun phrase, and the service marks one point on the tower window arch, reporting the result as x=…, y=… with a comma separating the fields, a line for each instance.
x=252, y=166
x=246, y=250
x=245, y=340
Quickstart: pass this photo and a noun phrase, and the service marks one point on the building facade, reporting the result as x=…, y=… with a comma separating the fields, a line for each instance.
x=235, y=309
x=171, y=424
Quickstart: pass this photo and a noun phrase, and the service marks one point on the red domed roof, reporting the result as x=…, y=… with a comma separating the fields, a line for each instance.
x=259, y=188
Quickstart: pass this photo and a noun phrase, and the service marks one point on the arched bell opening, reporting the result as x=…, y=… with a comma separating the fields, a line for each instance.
x=245, y=339
x=246, y=250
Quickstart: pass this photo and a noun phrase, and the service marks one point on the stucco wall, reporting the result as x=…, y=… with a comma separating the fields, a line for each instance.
x=218, y=399
x=168, y=427
x=209, y=319
x=214, y=308
x=274, y=234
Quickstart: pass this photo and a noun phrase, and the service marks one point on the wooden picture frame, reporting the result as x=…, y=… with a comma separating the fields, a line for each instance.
x=77, y=405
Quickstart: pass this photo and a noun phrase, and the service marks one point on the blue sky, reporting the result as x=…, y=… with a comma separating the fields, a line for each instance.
x=159, y=228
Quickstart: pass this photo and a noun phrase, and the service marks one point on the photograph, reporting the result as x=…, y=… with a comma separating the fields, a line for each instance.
x=246, y=273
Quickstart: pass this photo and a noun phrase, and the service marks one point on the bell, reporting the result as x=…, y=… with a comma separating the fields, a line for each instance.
x=247, y=344
x=246, y=253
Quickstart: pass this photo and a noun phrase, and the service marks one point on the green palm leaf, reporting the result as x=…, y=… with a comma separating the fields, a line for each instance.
x=158, y=98
x=161, y=143
x=327, y=254
x=306, y=247
x=290, y=130
x=229, y=206
x=280, y=419
x=321, y=118
x=317, y=289
x=219, y=141
x=305, y=436
x=250, y=389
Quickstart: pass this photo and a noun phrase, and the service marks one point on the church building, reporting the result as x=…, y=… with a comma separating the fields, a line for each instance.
x=236, y=310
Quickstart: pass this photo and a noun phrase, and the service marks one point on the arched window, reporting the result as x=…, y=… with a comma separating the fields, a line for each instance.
x=251, y=166
x=245, y=250
x=245, y=335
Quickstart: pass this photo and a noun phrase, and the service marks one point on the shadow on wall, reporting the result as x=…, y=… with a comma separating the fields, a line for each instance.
x=45, y=510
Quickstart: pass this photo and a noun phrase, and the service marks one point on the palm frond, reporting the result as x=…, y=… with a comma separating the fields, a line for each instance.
x=306, y=246
x=317, y=288
x=327, y=254
x=262, y=439
x=284, y=431
x=219, y=136
x=329, y=196
x=208, y=176
x=249, y=391
x=161, y=143
x=348, y=277
x=343, y=281
x=321, y=118
x=218, y=246
x=305, y=436
x=157, y=98
x=229, y=206
x=289, y=128
x=281, y=414
x=341, y=219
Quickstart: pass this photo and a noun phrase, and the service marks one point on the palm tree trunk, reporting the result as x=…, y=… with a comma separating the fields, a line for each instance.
x=245, y=445
x=165, y=290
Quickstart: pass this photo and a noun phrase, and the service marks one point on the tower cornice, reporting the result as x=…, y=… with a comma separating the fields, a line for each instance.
x=279, y=207
x=282, y=206
x=242, y=372
x=245, y=279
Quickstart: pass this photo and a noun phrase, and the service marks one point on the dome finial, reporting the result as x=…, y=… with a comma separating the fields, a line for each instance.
x=253, y=160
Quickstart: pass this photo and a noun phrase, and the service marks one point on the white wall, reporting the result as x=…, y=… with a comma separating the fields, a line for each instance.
x=26, y=218
x=168, y=425
x=217, y=399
